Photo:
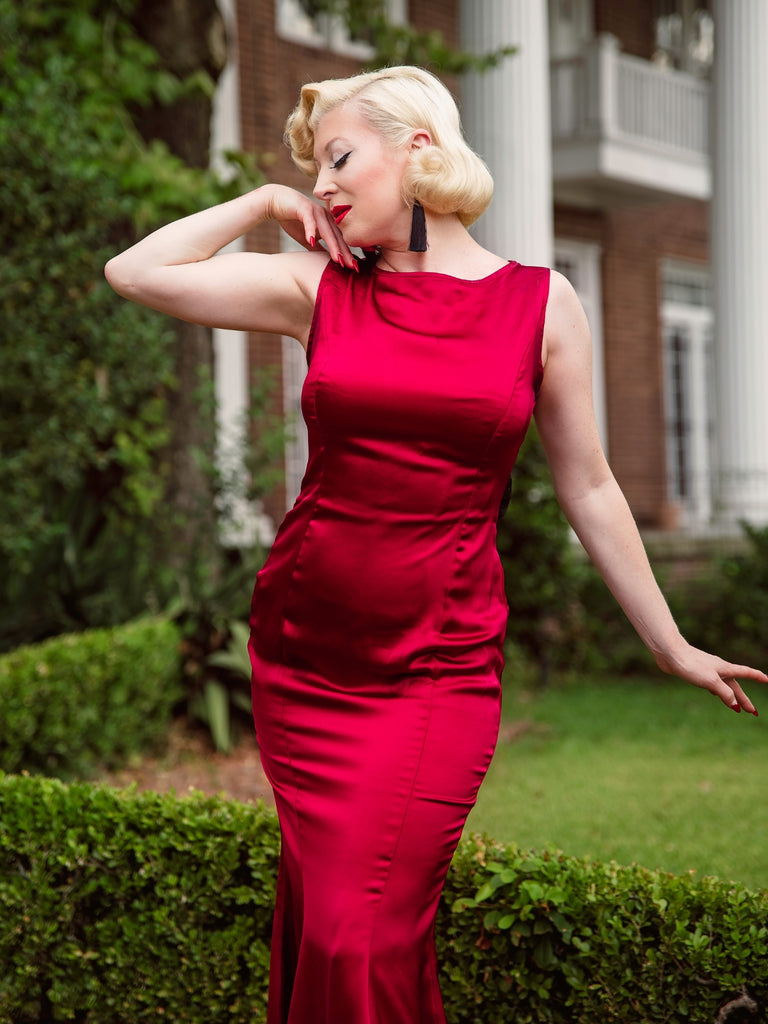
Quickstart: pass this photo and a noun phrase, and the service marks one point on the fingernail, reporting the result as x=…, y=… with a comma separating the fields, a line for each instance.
x=357, y=268
x=736, y=708
x=340, y=260
x=755, y=712
x=312, y=241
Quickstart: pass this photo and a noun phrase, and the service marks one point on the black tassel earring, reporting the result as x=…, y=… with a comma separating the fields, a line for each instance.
x=418, y=229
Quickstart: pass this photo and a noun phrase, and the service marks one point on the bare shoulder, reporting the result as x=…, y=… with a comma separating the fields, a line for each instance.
x=289, y=293
x=307, y=269
x=565, y=324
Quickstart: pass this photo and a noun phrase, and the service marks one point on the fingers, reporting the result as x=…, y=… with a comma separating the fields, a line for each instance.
x=730, y=690
x=321, y=227
x=309, y=224
x=721, y=678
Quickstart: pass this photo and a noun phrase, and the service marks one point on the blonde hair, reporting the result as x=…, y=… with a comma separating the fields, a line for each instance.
x=446, y=177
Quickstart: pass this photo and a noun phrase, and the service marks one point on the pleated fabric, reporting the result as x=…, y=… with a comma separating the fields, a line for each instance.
x=377, y=625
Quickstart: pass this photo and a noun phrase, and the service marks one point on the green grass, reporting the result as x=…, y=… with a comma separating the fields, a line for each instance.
x=651, y=772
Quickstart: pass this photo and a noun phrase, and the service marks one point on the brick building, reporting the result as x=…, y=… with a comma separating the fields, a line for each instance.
x=604, y=134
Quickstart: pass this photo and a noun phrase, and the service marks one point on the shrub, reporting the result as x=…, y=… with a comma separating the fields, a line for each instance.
x=81, y=701
x=121, y=908
x=543, y=937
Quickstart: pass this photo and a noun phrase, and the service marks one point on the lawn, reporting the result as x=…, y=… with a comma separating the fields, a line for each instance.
x=653, y=772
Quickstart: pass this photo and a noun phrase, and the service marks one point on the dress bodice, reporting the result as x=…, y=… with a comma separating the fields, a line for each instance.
x=419, y=391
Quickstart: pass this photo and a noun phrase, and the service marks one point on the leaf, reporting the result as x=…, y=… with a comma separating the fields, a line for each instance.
x=216, y=701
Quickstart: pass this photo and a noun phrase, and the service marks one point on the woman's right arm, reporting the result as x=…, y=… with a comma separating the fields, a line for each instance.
x=180, y=270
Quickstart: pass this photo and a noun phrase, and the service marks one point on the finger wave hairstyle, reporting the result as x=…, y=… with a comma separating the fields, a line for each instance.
x=446, y=177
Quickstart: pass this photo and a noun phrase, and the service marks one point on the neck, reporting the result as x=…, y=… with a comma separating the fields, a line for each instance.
x=450, y=248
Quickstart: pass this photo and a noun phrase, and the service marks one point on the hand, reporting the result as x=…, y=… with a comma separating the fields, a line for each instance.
x=712, y=673
x=308, y=223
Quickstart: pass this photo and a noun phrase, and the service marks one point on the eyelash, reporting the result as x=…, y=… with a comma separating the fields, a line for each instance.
x=340, y=162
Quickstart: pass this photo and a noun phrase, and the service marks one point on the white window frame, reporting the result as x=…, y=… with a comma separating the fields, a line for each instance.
x=687, y=320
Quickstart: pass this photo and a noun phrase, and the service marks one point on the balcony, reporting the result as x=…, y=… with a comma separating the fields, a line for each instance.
x=625, y=130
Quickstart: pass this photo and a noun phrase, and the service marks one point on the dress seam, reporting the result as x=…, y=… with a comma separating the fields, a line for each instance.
x=469, y=504
x=401, y=826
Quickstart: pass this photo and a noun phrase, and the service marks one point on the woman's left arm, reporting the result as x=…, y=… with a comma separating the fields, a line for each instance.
x=598, y=511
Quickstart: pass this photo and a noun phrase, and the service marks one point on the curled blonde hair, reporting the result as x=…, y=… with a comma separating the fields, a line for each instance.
x=446, y=177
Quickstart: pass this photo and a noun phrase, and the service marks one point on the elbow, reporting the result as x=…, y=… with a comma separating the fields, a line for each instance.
x=114, y=276
x=117, y=272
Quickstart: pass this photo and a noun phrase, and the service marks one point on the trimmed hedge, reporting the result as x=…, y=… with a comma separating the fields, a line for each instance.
x=78, y=702
x=119, y=908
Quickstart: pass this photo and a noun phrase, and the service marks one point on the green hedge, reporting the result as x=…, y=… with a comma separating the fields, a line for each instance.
x=81, y=701
x=118, y=908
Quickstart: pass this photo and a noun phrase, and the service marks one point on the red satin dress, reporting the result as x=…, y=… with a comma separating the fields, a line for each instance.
x=377, y=627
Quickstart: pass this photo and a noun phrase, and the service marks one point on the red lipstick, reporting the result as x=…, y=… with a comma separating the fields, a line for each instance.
x=339, y=213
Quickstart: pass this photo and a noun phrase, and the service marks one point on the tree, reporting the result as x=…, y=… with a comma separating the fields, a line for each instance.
x=86, y=377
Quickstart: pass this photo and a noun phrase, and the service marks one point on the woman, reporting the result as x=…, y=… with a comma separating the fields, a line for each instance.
x=378, y=619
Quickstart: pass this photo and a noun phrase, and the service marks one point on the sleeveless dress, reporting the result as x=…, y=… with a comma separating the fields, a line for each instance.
x=377, y=626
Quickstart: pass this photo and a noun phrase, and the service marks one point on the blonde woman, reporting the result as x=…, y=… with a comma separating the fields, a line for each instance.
x=378, y=619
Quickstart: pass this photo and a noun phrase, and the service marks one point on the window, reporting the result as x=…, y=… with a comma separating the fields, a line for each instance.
x=689, y=389
x=580, y=263
x=570, y=26
x=685, y=35
x=310, y=22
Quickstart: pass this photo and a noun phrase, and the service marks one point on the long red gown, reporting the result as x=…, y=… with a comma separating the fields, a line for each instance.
x=377, y=627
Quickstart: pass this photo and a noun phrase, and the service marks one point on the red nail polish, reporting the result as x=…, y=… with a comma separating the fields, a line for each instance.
x=312, y=241
x=357, y=267
x=736, y=708
x=340, y=260
x=755, y=712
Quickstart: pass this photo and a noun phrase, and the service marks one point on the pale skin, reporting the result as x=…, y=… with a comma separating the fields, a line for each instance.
x=179, y=270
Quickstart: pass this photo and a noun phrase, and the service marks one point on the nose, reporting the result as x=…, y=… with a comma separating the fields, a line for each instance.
x=324, y=186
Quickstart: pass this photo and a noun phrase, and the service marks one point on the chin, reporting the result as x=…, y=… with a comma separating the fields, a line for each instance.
x=353, y=239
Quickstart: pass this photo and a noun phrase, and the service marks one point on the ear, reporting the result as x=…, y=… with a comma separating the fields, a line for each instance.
x=419, y=139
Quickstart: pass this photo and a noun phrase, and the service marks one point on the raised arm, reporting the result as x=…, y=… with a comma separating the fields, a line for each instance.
x=597, y=509
x=180, y=270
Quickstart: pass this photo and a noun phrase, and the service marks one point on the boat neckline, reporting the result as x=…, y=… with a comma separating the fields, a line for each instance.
x=438, y=273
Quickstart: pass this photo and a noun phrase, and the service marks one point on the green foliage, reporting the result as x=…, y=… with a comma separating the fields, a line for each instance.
x=561, y=614
x=543, y=937
x=76, y=703
x=726, y=607
x=119, y=908
x=403, y=44
x=541, y=568
x=85, y=375
x=82, y=416
x=123, y=908
x=211, y=615
x=228, y=691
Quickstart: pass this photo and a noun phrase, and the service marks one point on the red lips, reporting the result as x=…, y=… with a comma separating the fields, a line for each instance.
x=339, y=213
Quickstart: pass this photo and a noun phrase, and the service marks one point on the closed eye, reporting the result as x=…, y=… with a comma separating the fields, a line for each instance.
x=341, y=161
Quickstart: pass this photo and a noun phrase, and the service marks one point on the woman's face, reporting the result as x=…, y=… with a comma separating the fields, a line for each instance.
x=358, y=179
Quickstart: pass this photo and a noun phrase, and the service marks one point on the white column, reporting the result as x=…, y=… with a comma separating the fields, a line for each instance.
x=506, y=115
x=740, y=256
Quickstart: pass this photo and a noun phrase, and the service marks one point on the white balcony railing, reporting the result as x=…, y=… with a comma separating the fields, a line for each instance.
x=605, y=96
